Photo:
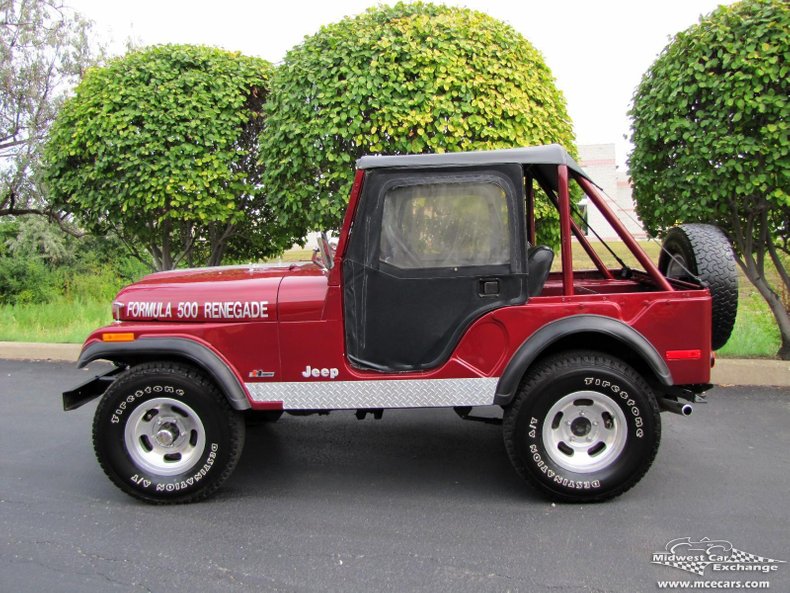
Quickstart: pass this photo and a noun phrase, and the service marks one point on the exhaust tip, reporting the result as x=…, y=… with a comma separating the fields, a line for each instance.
x=674, y=406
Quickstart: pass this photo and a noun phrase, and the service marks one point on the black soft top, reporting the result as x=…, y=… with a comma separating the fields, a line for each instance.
x=549, y=155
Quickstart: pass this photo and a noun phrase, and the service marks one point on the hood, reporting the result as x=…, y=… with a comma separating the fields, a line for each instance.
x=220, y=294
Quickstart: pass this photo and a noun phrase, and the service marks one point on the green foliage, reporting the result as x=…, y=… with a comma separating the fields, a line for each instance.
x=711, y=119
x=39, y=263
x=162, y=146
x=26, y=280
x=711, y=135
x=36, y=237
x=409, y=78
x=58, y=320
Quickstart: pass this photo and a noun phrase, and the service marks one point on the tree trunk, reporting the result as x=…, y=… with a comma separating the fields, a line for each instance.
x=777, y=308
x=784, y=349
x=753, y=240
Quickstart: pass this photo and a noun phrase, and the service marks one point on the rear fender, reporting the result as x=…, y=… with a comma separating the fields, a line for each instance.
x=555, y=331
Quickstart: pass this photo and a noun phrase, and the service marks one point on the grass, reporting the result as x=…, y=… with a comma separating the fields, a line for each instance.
x=756, y=334
x=59, y=321
x=71, y=320
x=293, y=255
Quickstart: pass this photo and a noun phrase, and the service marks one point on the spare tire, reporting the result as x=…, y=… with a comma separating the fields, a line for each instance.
x=702, y=254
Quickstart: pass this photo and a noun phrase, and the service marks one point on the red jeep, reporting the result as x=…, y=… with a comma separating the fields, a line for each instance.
x=436, y=296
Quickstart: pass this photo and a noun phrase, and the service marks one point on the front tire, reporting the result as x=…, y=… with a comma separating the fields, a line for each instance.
x=583, y=427
x=163, y=433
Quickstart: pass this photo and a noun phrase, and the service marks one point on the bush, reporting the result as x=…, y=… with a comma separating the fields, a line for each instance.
x=26, y=280
x=162, y=146
x=409, y=78
x=711, y=134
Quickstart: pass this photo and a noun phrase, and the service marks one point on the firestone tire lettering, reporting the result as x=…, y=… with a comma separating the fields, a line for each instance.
x=602, y=382
x=204, y=469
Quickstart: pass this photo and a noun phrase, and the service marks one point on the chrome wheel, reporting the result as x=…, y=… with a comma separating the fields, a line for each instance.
x=164, y=436
x=584, y=431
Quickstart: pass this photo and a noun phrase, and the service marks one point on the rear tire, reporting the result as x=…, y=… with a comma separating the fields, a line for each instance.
x=164, y=433
x=702, y=251
x=583, y=427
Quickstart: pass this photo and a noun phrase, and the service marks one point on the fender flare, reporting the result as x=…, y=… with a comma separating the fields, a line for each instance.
x=552, y=332
x=160, y=348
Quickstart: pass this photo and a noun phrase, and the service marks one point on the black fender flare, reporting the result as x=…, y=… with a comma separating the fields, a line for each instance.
x=552, y=332
x=151, y=348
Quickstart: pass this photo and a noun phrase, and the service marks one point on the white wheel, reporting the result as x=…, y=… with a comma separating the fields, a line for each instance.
x=164, y=436
x=585, y=432
x=164, y=433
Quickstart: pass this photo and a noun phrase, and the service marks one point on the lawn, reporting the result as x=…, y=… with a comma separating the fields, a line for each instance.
x=60, y=321
x=70, y=321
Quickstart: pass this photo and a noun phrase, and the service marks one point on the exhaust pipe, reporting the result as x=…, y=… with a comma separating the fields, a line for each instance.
x=674, y=406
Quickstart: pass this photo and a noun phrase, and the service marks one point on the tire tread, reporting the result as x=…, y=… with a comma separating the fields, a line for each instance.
x=544, y=371
x=235, y=423
x=715, y=265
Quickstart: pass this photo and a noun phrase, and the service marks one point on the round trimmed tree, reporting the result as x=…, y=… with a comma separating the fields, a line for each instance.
x=711, y=135
x=409, y=78
x=162, y=146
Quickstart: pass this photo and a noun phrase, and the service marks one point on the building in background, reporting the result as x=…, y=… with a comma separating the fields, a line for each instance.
x=598, y=160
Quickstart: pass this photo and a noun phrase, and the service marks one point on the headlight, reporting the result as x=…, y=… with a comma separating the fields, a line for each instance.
x=116, y=310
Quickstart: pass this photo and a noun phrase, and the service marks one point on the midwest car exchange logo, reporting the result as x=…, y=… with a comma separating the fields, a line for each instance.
x=695, y=556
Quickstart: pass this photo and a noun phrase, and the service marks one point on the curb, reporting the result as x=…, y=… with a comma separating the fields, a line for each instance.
x=40, y=351
x=751, y=371
x=728, y=371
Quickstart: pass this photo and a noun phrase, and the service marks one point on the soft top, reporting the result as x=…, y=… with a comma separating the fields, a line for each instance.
x=551, y=154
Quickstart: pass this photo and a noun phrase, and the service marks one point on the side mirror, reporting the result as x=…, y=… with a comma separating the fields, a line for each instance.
x=324, y=255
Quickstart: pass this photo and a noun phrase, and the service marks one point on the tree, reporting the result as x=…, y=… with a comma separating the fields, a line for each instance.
x=161, y=146
x=44, y=49
x=409, y=78
x=710, y=133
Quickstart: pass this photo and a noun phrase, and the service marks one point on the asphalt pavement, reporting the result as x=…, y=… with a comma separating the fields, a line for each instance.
x=417, y=501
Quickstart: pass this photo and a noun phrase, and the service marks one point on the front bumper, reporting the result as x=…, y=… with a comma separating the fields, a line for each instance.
x=89, y=390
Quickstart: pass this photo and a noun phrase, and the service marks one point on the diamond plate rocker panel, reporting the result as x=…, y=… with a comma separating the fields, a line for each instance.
x=419, y=393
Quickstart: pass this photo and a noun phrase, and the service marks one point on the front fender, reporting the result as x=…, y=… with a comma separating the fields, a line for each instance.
x=552, y=332
x=164, y=348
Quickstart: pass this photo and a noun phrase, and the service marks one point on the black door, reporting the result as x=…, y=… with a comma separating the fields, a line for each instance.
x=430, y=252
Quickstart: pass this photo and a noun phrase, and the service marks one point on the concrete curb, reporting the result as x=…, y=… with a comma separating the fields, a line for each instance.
x=40, y=351
x=728, y=371
x=751, y=371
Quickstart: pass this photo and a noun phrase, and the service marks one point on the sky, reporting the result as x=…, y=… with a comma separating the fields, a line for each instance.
x=598, y=50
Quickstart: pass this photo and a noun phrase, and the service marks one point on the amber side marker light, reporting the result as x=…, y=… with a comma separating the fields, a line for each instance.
x=118, y=337
x=684, y=354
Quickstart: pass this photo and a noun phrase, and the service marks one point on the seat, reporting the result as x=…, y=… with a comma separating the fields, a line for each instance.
x=539, y=260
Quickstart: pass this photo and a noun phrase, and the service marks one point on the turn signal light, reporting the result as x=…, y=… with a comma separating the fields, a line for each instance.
x=118, y=337
x=684, y=354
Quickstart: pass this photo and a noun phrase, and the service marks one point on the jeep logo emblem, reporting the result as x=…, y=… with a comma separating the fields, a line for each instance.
x=317, y=373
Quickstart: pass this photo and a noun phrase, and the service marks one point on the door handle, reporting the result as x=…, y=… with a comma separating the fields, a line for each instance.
x=488, y=287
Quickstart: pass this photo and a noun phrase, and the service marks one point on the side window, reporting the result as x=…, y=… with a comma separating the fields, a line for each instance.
x=446, y=224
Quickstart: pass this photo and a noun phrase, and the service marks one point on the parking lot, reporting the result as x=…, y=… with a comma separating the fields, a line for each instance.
x=418, y=501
